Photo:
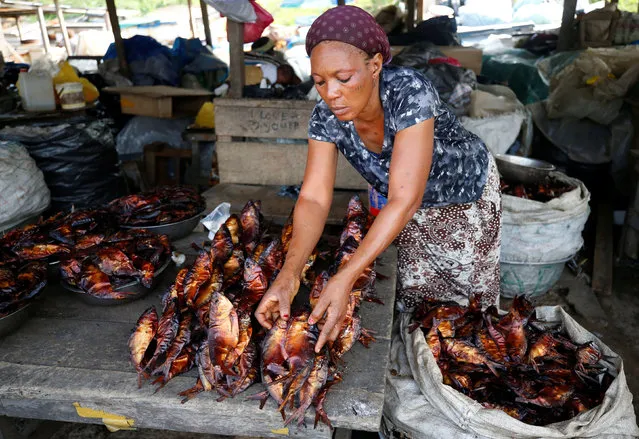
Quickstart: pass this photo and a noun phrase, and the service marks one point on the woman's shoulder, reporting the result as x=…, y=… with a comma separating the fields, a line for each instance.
x=398, y=78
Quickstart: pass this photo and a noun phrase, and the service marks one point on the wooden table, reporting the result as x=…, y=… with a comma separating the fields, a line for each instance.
x=70, y=362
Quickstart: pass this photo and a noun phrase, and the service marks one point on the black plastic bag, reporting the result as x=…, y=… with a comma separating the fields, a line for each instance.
x=441, y=31
x=78, y=159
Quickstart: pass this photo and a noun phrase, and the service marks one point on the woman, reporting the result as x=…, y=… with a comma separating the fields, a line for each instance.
x=444, y=204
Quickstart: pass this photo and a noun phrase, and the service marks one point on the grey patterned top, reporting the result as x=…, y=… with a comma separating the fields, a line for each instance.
x=460, y=159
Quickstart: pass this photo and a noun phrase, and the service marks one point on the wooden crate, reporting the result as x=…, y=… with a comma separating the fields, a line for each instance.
x=250, y=133
x=160, y=100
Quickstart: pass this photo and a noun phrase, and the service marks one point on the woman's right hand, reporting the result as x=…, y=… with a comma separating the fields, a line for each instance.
x=277, y=300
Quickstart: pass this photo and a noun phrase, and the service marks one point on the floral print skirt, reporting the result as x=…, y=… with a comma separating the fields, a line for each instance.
x=449, y=253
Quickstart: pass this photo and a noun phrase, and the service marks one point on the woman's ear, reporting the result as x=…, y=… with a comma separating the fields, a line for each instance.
x=376, y=63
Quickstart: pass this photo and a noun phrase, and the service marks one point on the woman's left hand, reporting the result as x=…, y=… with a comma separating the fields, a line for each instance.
x=334, y=303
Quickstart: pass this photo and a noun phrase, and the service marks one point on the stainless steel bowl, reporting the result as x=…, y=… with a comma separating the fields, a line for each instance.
x=174, y=231
x=522, y=169
x=13, y=321
x=133, y=286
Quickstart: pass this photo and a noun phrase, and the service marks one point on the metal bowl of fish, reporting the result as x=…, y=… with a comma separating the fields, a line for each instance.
x=11, y=322
x=522, y=169
x=134, y=287
x=175, y=230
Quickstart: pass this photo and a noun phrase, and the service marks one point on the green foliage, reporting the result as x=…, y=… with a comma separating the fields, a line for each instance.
x=629, y=5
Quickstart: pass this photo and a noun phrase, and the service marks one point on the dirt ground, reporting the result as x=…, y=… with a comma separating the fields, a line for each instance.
x=614, y=319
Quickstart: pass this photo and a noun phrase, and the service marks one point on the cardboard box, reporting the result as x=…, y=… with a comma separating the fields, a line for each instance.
x=468, y=57
x=160, y=100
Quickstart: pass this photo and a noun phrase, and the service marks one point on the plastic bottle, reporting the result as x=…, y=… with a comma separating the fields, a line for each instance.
x=36, y=92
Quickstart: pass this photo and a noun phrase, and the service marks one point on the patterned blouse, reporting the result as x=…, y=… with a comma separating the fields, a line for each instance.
x=460, y=159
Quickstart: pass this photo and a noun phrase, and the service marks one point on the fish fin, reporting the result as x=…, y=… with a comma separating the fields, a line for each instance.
x=262, y=397
x=366, y=337
x=192, y=392
x=493, y=367
x=373, y=299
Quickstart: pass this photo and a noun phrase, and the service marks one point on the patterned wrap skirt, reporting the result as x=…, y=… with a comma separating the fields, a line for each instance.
x=451, y=252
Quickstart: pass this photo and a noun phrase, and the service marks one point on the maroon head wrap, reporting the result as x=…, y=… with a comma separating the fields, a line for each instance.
x=350, y=25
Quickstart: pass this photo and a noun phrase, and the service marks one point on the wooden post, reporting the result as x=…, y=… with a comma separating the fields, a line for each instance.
x=107, y=22
x=63, y=27
x=566, y=33
x=235, y=32
x=420, y=11
x=43, y=30
x=410, y=15
x=117, y=36
x=602, y=270
x=19, y=27
x=341, y=2
x=191, y=22
x=205, y=22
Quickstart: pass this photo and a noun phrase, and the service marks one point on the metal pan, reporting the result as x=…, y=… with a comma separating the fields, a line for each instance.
x=174, y=231
x=13, y=321
x=523, y=169
x=133, y=286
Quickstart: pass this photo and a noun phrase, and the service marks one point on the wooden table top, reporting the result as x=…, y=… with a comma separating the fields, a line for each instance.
x=70, y=362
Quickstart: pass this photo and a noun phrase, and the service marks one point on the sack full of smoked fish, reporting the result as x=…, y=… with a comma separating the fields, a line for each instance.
x=526, y=373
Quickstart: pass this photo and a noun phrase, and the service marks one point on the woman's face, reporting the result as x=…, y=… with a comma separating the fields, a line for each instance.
x=345, y=77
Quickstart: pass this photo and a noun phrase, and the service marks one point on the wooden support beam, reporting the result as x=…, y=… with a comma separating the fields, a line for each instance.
x=19, y=27
x=566, y=33
x=603, y=260
x=236, y=55
x=191, y=21
x=43, y=30
x=117, y=36
x=205, y=22
x=420, y=11
x=410, y=15
x=63, y=27
x=107, y=21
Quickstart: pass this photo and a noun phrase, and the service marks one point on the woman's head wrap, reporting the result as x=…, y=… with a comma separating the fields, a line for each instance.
x=350, y=25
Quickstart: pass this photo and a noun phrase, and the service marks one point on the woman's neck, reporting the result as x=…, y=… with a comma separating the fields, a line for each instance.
x=373, y=109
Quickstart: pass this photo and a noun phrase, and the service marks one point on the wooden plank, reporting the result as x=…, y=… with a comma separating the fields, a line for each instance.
x=420, y=11
x=275, y=164
x=269, y=119
x=43, y=30
x=235, y=32
x=117, y=35
x=566, y=32
x=73, y=353
x=63, y=27
x=206, y=24
x=602, y=273
x=275, y=208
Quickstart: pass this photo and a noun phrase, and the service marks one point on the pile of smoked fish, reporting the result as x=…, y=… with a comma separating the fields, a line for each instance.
x=207, y=320
x=543, y=192
x=56, y=236
x=164, y=205
x=115, y=260
x=515, y=363
x=20, y=283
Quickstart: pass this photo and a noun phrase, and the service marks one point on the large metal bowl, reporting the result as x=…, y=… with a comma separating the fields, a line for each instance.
x=13, y=321
x=522, y=169
x=133, y=286
x=174, y=231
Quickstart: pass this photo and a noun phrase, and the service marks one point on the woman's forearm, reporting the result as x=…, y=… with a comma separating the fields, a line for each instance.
x=389, y=223
x=309, y=218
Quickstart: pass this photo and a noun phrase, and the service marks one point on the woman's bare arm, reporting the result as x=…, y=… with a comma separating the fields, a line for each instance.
x=309, y=218
x=409, y=170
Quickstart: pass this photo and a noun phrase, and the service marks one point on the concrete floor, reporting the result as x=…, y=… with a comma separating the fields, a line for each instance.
x=614, y=319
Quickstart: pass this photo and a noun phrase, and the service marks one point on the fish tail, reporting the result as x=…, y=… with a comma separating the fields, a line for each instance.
x=366, y=337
